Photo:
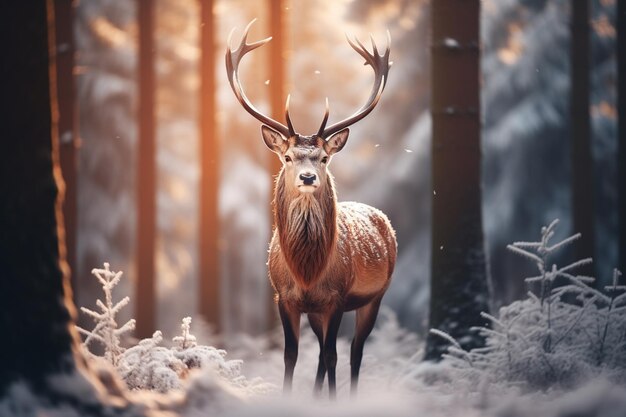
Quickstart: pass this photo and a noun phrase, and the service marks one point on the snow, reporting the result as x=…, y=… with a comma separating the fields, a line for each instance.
x=451, y=43
x=361, y=225
x=208, y=397
x=151, y=367
x=394, y=380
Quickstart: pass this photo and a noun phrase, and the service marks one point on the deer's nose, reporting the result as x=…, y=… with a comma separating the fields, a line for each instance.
x=307, y=178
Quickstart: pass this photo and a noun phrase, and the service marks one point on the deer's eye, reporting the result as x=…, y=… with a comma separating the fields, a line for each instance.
x=324, y=160
x=287, y=158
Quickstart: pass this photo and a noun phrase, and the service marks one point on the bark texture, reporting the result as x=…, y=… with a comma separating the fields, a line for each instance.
x=459, y=279
x=35, y=317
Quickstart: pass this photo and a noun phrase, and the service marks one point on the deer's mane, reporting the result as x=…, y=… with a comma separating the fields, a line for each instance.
x=306, y=228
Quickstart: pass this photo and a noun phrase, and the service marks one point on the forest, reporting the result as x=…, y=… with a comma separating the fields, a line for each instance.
x=249, y=208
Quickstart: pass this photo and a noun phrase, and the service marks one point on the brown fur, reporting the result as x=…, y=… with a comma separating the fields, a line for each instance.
x=320, y=256
x=306, y=226
x=324, y=258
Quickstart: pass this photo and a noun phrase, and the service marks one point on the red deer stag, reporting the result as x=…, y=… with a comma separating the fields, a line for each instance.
x=325, y=257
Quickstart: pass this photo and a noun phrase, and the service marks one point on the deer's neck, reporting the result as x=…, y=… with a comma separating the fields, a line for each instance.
x=306, y=226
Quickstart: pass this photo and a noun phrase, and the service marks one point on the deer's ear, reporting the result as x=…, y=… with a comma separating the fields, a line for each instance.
x=274, y=140
x=336, y=141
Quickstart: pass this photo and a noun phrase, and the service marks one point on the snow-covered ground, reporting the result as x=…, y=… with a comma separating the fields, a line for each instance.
x=394, y=383
x=516, y=375
x=559, y=352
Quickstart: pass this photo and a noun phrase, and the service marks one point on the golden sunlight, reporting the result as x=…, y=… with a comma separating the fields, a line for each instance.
x=604, y=109
x=108, y=33
x=603, y=27
x=514, y=45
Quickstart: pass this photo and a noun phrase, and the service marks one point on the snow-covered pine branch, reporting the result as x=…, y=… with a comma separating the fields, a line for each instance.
x=106, y=330
x=561, y=336
x=186, y=339
x=541, y=257
x=447, y=337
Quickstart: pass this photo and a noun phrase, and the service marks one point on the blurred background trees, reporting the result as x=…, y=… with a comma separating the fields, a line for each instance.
x=621, y=69
x=526, y=168
x=146, y=171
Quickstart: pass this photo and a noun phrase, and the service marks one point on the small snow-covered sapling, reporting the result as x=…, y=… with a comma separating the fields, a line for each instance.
x=106, y=331
x=548, y=273
x=148, y=365
x=186, y=340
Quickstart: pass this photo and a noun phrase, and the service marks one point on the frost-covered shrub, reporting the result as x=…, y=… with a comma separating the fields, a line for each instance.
x=150, y=366
x=558, y=335
x=193, y=356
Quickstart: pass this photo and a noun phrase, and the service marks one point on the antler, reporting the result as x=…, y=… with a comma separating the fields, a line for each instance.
x=233, y=57
x=380, y=64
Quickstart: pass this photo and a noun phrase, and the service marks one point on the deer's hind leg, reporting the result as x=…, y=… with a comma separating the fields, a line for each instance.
x=365, y=319
x=317, y=324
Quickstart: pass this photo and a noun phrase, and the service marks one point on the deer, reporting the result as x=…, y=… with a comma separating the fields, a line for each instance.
x=325, y=257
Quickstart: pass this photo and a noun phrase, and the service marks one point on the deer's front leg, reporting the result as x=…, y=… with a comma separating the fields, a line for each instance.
x=317, y=324
x=290, y=319
x=330, y=351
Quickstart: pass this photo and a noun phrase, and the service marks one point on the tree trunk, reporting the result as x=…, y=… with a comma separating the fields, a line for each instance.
x=621, y=108
x=39, y=345
x=581, y=154
x=146, y=175
x=278, y=96
x=210, y=175
x=36, y=310
x=459, y=279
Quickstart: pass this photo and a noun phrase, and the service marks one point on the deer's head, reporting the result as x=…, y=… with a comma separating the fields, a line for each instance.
x=305, y=158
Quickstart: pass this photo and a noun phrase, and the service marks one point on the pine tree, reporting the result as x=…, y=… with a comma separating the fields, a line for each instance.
x=459, y=281
x=210, y=175
x=621, y=79
x=38, y=349
x=581, y=155
x=106, y=331
x=36, y=310
x=146, y=173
